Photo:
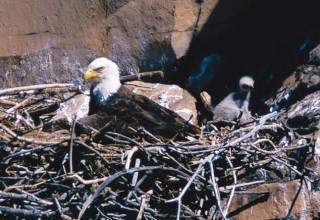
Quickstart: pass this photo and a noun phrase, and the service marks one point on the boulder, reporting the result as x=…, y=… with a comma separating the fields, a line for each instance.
x=290, y=200
x=304, y=115
x=314, y=55
x=170, y=96
x=305, y=80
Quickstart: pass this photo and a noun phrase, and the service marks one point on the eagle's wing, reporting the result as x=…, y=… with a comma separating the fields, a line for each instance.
x=130, y=109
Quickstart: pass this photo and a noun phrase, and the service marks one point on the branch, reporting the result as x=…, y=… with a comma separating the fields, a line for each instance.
x=34, y=87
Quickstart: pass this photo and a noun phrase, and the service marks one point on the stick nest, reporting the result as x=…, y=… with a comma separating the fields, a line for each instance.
x=50, y=173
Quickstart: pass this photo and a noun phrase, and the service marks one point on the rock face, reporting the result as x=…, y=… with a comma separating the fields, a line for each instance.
x=299, y=97
x=46, y=41
x=304, y=80
x=275, y=201
x=304, y=115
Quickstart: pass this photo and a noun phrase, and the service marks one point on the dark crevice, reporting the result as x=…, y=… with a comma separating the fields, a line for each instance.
x=265, y=39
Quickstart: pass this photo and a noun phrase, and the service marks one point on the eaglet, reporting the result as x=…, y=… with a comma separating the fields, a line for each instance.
x=236, y=103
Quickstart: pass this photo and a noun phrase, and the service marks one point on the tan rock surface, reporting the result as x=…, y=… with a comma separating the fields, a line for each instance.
x=289, y=200
x=47, y=41
x=169, y=96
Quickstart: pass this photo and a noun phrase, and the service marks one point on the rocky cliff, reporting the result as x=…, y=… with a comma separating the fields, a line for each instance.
x=200, y=45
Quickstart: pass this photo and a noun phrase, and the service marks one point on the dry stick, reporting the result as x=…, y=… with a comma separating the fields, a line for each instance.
x=253, y=131
x=233, y=188
x=135, y=175
x=215, y=188
x=21, y=104
x=134, y=179
x=92, y=149
x=57, y=203
x=179, y=198
x=19, y=117
x=226, y=189
x=238, y=140
x=26, y=213
x=4, y=138
x=38, y=200
x=267, y=127
x=34, y=87
x=198, y=212
x=29, y=140
x=138, y=76
x=292, y=168
x=147, y=133
x=71, y=144
x=130, y=155
x=85, y=182
x=135, y=204
x=7, y=102
x=275, y=151
x=179, y=164
x=145, y=199
x=109, y=180
x=32, y=150
x=128, y=139
x=25, y=196
x=34, y=186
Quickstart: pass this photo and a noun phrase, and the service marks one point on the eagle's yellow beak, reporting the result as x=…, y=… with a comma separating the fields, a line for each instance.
x=90, y=74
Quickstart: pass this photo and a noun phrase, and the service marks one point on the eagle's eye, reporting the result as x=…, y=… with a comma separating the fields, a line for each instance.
x=245, y=86
x=99, y=69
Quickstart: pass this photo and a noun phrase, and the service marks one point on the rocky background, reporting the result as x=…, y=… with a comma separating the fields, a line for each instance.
x=199, y=44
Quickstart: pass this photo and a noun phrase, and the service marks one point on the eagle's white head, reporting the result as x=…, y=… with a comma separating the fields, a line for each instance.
x=105, y=78
x=246, y=84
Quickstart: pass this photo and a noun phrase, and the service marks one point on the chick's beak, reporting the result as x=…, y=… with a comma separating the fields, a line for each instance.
x=90, y=74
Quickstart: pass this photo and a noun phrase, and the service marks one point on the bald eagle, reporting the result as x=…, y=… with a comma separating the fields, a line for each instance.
x=231, y=107
x=110, y=102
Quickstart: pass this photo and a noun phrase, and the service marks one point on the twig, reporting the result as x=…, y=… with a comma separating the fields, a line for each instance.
x=32, y=150
x=223, y=188
x=272, y=144
x=179, y=198
x=233, y=188
x=140, y=146
x=85, y=182
x=262, y=120
x=292, y=168
x=71, y=144
x=7, y=102
x=91, y=149
x=21, y=104
x=145, y=199
x=30, y=140
x=34, y=87
x=215, y=189
x=24, y=196
x=142, y=75
x=130, y=155
x=26, y=213
x=135, y=175
x=90, y=199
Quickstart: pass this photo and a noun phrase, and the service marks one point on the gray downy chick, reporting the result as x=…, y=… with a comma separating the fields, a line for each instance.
x=230, y=107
